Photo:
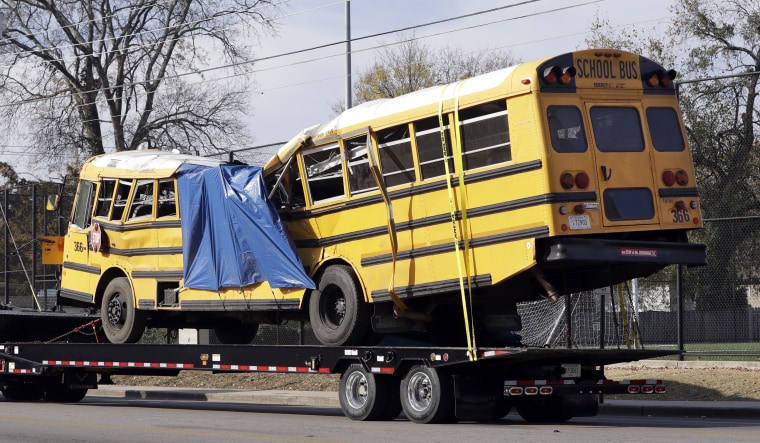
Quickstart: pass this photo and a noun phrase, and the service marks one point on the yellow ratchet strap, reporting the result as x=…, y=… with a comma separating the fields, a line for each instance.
x=400, y=307
x=452, y=207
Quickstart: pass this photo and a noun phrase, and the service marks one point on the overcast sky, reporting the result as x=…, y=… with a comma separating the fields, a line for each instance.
x=294, y=92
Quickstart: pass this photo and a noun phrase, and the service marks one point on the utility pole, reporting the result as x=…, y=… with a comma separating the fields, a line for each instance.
x=348, y=54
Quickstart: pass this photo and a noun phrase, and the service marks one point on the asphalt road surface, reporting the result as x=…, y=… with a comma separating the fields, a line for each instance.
x=134, y=420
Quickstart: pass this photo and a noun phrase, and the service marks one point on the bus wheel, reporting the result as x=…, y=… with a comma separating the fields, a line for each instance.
x=236, y=333
x=338, y=314
x=22, y=392
x=364, y=396
x=122, y=323
x=426, y=397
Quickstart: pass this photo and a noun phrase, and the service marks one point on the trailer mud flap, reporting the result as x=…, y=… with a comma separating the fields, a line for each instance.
x=476, y=398
x=80, y=380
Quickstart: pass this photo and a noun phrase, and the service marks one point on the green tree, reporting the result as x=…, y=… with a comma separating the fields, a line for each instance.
x=718, y=45
x=82, y=74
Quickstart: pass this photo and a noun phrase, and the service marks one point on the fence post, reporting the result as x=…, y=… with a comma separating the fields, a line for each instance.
x=679, y=295
x=35, y=245
x=6, y=283
x=602, y=319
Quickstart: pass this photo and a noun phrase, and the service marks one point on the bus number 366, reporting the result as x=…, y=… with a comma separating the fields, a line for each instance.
x=680, y=215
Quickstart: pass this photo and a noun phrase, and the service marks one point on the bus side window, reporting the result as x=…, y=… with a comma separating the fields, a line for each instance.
x=427, y=133
x=485, y=135
x=142, y=201
x=566, y=129
x=167, y=199
x=83, y=209
x=105, y=197
x=120, y=201
x=324, y=173
x=360, y=179
x=395, y=146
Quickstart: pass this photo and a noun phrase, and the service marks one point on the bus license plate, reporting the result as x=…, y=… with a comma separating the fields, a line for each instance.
x=580, y=222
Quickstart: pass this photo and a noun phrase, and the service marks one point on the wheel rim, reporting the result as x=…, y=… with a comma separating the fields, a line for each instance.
x=419, y=392
x=357, y=390
x=116, y=311
x=332, y=307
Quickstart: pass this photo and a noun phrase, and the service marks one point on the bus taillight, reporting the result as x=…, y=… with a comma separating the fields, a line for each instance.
x=581, y=180
x=669, y=178
x=567, y=180
x=555, y=74
x=682, y=178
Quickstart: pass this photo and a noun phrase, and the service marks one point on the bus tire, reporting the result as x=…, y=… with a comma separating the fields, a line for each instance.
x=363, y=396
x=236, y=333
x=338, y=314
x=426, y=396
x=58, y=393
x=22, y=392
x=122, y=322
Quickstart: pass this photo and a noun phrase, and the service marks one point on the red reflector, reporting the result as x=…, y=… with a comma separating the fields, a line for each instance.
x=525, y=81
x=567, y=180
x=563, y=227
x=515, y=391
x=546, y=390
x=531, y=390
x=669, y=178
x=682, y=178
x=581, y=180
x=633, y=389
x=695, y=220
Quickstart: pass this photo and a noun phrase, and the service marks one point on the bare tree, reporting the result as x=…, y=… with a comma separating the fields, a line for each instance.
x=80, y=75
x=410, y=65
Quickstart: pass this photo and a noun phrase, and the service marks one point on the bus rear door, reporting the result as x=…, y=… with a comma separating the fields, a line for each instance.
x=623, y=164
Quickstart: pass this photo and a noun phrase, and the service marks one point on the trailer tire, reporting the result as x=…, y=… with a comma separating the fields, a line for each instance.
x=122, y=322
x=22, y=392
x=363, y=396
x=543, y=410
x=59, y=393
x=427, y=396
x=338, y=314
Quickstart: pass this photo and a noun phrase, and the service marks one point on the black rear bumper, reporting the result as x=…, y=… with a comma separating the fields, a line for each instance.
x=560, y=250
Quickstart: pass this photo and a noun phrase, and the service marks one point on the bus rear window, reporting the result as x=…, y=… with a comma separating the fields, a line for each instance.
x=566, y=129
x=617, y=129
x=628, y=204
x=665, y=129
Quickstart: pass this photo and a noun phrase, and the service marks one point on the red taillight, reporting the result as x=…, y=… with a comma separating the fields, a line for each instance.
x=552, y=74
x=680, y=204
x=555, y=74
x=567, y=180
x=682, y=178
x=581, y=180
x=579, y=209
x=661, y=78
x=669, y=178
x=633, y=389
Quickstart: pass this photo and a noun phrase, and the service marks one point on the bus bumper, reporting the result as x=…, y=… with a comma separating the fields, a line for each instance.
x=591, y=250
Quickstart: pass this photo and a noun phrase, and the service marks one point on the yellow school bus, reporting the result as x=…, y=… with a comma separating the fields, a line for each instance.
x=438, y=211
x=226, y=264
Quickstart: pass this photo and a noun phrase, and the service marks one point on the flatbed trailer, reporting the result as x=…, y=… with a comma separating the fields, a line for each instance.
x=430, y=384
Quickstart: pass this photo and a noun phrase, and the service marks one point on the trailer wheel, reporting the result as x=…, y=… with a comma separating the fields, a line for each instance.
x=363, y=396
x=338, y=314
x=543, y=410
x=122, y=323
x=58, y=393
x=426, y=396
x=22, y=392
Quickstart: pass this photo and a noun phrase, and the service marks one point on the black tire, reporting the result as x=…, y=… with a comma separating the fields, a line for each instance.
x=236, y=333
x=59, y=393
x=426, y=396
x=363, y=396
x=122, y=323
x=22, y=392
x=543, y=410
x=338, y=314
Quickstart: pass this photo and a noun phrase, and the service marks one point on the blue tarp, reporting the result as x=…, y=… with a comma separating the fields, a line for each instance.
x=232, y=235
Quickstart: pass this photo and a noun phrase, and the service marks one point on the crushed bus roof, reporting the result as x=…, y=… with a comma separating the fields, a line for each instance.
x=149, y=163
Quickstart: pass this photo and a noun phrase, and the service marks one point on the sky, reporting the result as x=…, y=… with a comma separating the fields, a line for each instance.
x=297, y=91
